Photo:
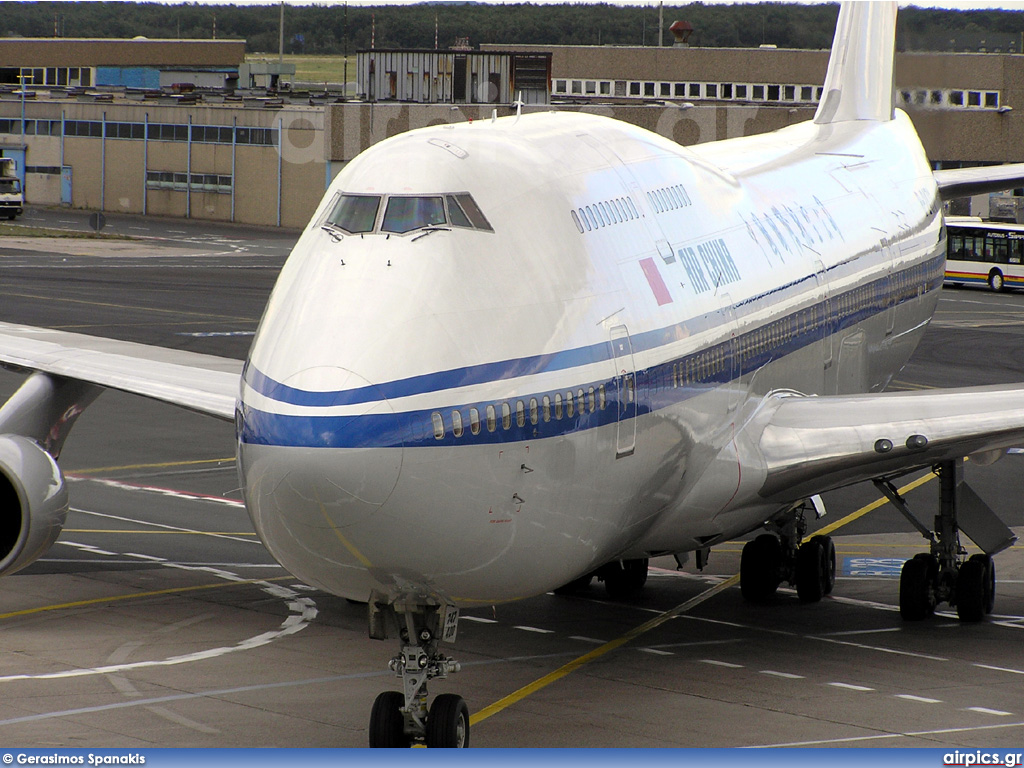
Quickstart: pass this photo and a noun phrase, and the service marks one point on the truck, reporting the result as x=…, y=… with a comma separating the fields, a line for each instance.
x=12, y=200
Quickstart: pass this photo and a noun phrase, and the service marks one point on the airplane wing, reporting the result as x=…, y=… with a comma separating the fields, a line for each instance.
x=808, y=445
x=814, y=444
x=202, y=383
x=963, y=182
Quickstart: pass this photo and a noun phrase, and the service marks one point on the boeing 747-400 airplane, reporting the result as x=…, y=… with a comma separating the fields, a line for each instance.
x=506, y=356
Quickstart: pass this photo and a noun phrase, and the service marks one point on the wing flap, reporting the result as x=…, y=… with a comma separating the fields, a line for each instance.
x=964, y=182
x=202, y=383
x=813, y=444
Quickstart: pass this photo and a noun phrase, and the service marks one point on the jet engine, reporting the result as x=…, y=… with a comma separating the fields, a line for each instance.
x=33, y=502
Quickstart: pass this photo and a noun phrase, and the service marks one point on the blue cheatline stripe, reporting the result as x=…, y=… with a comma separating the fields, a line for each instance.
x=428, y=382
x=413, y=429
x=657, y=388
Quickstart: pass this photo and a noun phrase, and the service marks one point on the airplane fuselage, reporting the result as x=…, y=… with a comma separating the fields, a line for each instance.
x=494, y=402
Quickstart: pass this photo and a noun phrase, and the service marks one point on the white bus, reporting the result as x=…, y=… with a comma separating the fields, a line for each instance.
x=984, y=253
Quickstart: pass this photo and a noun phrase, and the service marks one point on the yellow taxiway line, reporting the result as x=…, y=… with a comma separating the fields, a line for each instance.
x=657, y=621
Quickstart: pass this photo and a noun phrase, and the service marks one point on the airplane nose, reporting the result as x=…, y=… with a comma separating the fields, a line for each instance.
x=315, y=468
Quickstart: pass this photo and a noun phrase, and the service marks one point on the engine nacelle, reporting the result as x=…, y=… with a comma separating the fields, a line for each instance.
x=33, y=502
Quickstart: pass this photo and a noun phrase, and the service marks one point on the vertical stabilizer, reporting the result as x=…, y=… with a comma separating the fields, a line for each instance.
x=858, y=84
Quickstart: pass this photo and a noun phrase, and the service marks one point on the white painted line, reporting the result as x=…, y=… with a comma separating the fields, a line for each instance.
x=717, y=663
x=986, y=711
x=149, y=524
x=879, y=648
x=784, y=675
x=1000, y=669
x=303, y=611
x=850, y=687
x=656, y=652
x=591, y=640
x=921, y=699
x=156, y=489
x=883, y=736
x=535, y=629
x=478, y=620
x=862, y=632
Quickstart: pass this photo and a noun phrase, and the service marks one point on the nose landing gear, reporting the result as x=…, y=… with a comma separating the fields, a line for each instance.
x=400, y=719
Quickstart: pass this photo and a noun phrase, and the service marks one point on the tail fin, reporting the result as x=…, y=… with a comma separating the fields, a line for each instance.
x=859, y=81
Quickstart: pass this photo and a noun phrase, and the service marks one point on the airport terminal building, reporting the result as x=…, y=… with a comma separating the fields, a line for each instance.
x=93, y=136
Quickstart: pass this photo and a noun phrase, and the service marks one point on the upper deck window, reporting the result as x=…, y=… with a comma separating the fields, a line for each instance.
x=355, y=213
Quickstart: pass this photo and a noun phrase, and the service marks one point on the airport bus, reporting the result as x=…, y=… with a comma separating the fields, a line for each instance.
x=984, y=253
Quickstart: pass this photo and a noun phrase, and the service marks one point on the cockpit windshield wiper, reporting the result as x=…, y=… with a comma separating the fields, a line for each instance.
x=335, y=233
x=429, y=231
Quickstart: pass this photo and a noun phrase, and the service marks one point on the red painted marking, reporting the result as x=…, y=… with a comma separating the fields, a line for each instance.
x=654, y=280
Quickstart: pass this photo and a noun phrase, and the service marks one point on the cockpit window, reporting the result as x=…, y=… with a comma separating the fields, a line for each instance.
x=355, y=213
x=456, y=214
x=475, y=215
x=359, y=214
x=405, y=214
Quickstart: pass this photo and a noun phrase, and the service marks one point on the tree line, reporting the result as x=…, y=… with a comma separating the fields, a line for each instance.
x=331, y=29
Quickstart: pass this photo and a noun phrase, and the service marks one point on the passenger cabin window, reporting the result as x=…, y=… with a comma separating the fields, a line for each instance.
x=355, y=213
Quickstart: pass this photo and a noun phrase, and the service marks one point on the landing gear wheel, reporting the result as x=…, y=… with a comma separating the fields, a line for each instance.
x=989, y=582
x=811, y=580
x=917, y=599
x=973, y=589
x=624, y=579
x=995, y=280
x=387, y=723
x=759, y=568
x=576, y=585
x=448, y=722
x=829, y=562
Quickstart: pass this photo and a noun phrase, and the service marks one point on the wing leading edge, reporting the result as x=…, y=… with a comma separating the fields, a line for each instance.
x=964, y=182
x=202, y=383
x=813, y=444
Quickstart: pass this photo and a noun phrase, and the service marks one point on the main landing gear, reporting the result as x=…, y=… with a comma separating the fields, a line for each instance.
x=623, y=579
x=944, y=573
x=782, y=555
x=400, y=719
